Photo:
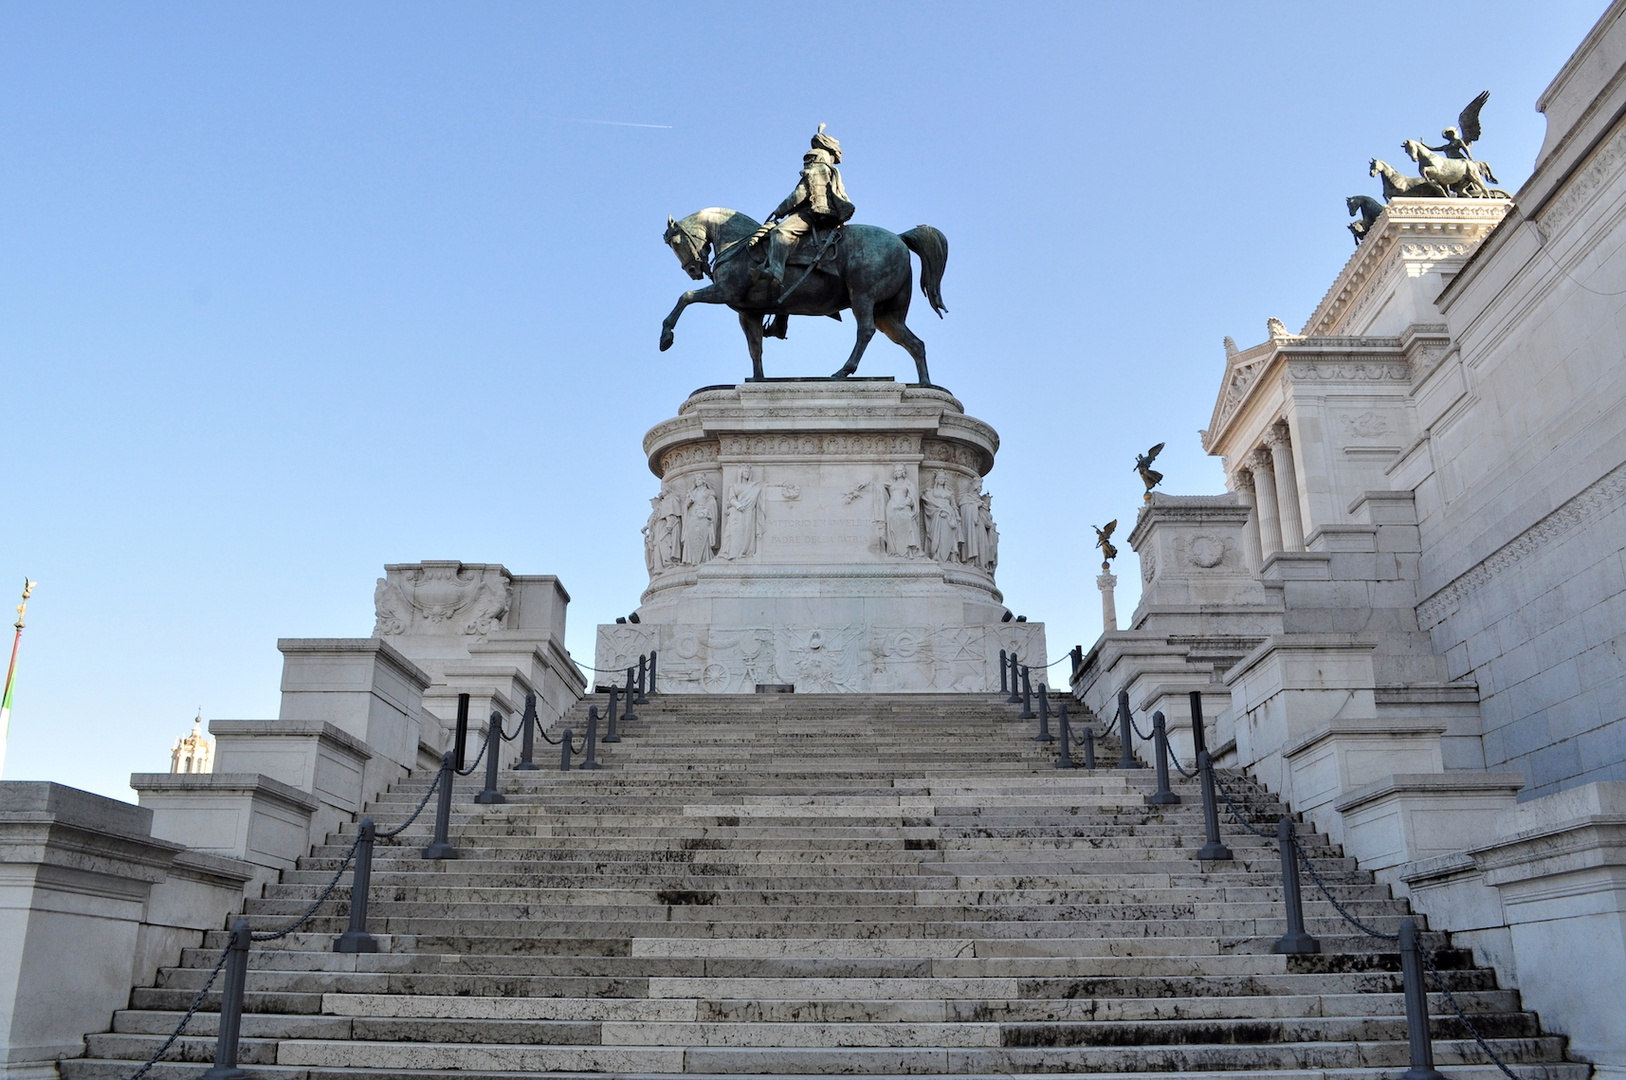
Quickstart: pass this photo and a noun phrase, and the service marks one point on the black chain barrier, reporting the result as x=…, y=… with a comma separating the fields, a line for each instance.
x=423, y=802
x=1426, y=956
x=1175, y=761
x=275, y=935
x=477, y=757
x=191, y=1011
x=1146, y=736
x=1240, y=820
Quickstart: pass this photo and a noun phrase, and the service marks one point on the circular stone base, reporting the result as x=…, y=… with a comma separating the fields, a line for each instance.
x=831, y=535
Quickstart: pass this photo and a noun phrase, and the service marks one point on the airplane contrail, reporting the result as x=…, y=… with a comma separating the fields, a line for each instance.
x=616, y=123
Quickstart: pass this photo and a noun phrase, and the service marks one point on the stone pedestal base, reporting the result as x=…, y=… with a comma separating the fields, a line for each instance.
x=829, y=535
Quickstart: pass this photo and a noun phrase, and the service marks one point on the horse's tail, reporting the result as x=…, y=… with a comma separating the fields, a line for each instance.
x=932, y=247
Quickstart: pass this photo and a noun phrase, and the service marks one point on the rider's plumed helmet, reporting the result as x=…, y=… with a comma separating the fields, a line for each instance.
x=821, y=141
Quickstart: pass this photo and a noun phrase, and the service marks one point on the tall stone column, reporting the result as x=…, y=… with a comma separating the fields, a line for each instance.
x=1106, y=581
x=1264, y=506
x=1242, y=484
x=1287, y=488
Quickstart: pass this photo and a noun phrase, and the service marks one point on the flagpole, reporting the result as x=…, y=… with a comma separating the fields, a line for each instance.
x=11, y=674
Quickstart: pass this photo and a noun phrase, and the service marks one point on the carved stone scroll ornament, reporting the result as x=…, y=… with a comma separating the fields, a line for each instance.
x=441, y=598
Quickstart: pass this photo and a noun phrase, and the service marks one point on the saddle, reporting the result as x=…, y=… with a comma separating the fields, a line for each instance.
x=808, y=247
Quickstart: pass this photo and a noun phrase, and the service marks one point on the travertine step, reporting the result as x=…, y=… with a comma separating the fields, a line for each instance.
x=791, y=886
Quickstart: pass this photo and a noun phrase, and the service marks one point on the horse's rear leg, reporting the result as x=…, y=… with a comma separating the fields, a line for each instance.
x=752, y=325
x=864, y=315
x=891, y=324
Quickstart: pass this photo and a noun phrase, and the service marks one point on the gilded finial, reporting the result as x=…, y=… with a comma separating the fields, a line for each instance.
x=22, y=608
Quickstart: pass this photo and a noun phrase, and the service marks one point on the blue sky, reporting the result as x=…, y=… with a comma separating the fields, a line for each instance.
x=291, y=291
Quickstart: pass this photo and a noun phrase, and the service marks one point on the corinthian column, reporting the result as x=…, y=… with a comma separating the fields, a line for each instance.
x=1287, y=488
x=1264, y=506
x=1242, y=484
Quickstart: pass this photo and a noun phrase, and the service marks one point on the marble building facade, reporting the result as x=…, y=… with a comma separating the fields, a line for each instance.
x=1408, y=611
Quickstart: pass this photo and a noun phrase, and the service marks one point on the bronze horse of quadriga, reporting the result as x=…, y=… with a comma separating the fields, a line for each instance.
x=873, y=279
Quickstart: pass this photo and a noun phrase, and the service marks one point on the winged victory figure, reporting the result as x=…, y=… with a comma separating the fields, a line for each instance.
x=1148, y=475
x=1458, y=139
x=1103, y=540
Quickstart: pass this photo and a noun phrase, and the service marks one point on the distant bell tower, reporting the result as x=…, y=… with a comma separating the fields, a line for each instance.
x=195, y=753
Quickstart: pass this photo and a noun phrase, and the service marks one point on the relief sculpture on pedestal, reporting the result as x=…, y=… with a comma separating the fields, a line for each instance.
x=742, y=525
x=942, y=519
x=901, y=533
x=700, y=524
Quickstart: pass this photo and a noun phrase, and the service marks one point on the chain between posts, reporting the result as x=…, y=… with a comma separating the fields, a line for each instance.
x=477, y=757
x=1179, y=768
x=274, y=935
x=1344, y=913
x=191, y=1011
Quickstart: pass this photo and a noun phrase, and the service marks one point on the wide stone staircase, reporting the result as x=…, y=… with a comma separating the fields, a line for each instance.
x=796, y=885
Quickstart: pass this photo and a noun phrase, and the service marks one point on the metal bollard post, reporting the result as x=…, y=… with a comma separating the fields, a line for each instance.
x=1160, y=749
x=356, y=939
x=231, y=1005
x=611, y=733
x=489, y=794
x=440, y=847
x=652, y=655
x=1027, y=712
x=1126, y=733
x=1295, y=942
x=1078, y=659
x=564, y=748
x=527, y=740
x=1064, y=760
x=1044, y=735
x=1212, y=850
x=1199, y=738
x=626, y=713
x=615, y=698
x=1411, y=973
x=1016, y=693
x=1004, y=679
x=591, y=761
x=1089, y=746
x=643, y=670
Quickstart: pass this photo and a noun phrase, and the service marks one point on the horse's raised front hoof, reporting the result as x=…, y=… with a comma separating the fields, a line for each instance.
x=666, y=340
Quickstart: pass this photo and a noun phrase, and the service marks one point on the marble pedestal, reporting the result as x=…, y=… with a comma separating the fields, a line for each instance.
x=827, y=535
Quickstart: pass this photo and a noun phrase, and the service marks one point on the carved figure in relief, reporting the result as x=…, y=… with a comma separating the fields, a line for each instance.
x=651, y=560
x=742, y=525
x=970, y=533
x=942, y=519
x=990, y=534
x=700, y=524
x=668, y=530
x=902, y=526
x=1148, y=475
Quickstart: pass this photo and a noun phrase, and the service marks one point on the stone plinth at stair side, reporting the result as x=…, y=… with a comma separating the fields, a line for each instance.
x=829, y=535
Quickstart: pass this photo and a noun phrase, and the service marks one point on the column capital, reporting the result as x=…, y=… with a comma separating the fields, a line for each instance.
x=1260, y=459
x=1242, y=479
x=1276, y=435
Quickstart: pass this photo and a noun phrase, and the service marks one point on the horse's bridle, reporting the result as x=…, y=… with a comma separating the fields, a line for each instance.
x=697, y=248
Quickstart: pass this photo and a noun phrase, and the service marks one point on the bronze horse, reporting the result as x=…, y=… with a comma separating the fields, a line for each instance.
x=873, y=280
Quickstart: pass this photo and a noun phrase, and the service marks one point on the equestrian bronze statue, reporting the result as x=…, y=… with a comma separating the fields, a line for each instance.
x=813, y=263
